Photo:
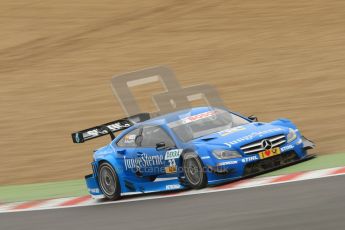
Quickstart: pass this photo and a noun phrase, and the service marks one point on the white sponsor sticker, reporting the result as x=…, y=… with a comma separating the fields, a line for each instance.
x=286, y=148
x=227, y=163
x=198, y=117
x=93, y=190
x=173, y=154
x=249, y=159
x=143, y=161
x=252, y=136
x=206, y=157
x=113, y=127
x=172, y=186
x=230, y=131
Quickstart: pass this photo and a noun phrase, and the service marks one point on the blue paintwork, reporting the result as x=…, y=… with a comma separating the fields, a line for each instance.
x=131, y=183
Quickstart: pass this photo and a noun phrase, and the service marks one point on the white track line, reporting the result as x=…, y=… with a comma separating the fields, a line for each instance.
x=248, y=183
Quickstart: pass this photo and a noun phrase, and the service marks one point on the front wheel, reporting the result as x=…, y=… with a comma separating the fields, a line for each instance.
x=109, y=181
x=194, y=171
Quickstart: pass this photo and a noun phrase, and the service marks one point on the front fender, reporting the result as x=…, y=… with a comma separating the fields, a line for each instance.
x=285, y=123
x=112, y=160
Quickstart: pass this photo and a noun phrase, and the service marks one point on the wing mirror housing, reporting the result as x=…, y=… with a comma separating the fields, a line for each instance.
x=138, y=140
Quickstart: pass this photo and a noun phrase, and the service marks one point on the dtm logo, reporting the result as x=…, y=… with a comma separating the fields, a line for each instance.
x=249, y=159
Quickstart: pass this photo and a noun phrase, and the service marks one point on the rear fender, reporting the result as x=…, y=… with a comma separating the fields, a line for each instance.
x=111, y=159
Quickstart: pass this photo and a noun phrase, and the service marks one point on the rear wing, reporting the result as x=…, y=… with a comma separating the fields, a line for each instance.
x=108, y=128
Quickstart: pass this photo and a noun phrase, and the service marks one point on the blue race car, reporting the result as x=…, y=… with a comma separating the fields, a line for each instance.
x=191, y=148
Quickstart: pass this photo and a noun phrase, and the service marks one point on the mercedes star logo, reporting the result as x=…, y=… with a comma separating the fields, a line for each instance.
x=266, y=144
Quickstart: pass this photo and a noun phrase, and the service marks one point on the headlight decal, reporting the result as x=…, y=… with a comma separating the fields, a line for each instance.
x=225, y=154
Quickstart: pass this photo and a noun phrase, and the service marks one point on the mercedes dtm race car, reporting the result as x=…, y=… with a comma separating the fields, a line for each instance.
x=192, y=148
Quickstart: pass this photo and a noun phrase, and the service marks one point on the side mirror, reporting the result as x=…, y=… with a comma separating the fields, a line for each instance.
x=138, y=140
x=160, y=145
x=253, y=118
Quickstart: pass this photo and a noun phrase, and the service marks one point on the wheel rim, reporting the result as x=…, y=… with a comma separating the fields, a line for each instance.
x=107, y=181
x=192, y=171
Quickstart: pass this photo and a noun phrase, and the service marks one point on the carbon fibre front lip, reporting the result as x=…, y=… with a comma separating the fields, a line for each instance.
x=306, y=158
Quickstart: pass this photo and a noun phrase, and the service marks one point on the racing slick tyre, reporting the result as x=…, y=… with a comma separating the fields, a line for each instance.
x=194, y=171
x=109, y=181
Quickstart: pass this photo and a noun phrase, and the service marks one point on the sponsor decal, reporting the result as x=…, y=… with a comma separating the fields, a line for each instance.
x=230, y=131
x=173, y=154
x=227, y=163
x=172, y=166
x=143, y=161
x=252, y=136
x=172, y=186
x=286, y=148
x=206, y=157
x=93, y=190
x=198, y=117
x=249, y=159
x=130, y=138
x=113, y=127
x=269, y=153
x=170, y=169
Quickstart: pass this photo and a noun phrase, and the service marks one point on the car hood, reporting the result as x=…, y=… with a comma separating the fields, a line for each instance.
x=236, y=137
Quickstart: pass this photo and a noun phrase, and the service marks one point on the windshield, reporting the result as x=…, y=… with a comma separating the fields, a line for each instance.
x=206, y=123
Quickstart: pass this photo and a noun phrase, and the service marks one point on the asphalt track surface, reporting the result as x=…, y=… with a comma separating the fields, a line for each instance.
x=313, y=204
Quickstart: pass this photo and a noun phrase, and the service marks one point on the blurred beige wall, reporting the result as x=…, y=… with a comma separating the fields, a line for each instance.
x=269, y=58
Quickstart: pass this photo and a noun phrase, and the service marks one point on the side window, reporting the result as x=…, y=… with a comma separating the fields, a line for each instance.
x=155, y=134
x=129, y=139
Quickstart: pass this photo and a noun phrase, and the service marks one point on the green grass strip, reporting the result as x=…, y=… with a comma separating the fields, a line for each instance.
x=320, y=162
x=71, y=188
x=40, y=191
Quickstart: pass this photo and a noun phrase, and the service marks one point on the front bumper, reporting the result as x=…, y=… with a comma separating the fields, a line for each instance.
x=270, y=163
x=250, y=165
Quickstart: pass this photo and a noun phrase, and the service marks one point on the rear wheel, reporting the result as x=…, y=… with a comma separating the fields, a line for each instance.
x=108, y=181
x=194, y=171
